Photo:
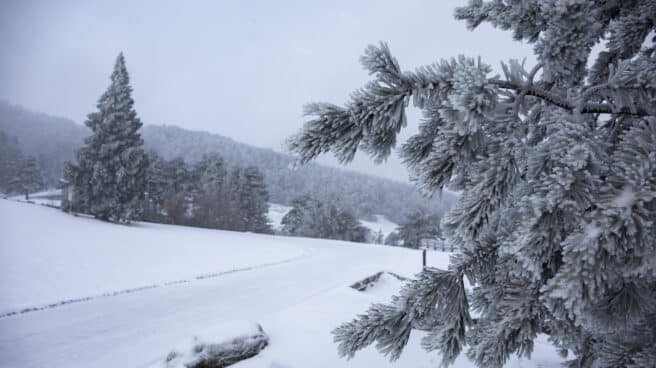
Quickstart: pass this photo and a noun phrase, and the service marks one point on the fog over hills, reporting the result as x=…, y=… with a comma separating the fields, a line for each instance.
x=53, y=140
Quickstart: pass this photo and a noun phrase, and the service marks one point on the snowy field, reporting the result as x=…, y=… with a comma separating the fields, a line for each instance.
x=296, y=288
x=47, y=257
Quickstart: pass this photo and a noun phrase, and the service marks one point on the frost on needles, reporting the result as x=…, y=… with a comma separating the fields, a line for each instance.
x=557, y=169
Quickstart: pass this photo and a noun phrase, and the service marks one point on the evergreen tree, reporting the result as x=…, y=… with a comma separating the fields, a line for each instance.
x=315, y=219
x=27, y=177
x=393, y=239
x=294, y=220
x=235, y=216
x=254, y=201
x=417, y=226
x=210, y=192
x=109, y=177
x=9, y=159
x=156, y=188
x=557, y=170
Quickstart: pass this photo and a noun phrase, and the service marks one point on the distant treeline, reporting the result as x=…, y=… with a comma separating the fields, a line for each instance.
x=206, y=194
x=52, y=141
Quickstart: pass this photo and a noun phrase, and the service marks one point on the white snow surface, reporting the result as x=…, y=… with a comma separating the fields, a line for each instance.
x=49, y=197
x=276, y=213
x=295, y=288
x=381, y=224
x=48, y=257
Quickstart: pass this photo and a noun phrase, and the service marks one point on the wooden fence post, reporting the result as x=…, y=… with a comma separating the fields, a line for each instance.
x=423, y=258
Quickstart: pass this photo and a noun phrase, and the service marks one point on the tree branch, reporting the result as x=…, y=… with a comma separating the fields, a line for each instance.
x=590, y=108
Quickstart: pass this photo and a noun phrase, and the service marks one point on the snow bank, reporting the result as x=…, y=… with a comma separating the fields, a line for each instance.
x=219, y=346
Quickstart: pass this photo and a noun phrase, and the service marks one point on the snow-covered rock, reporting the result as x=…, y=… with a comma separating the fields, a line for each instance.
x=219, y=346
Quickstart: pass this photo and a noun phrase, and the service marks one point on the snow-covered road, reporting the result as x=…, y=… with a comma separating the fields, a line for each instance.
x=137, y=330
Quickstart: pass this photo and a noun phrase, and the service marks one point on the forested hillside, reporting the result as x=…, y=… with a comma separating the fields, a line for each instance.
x=53, y=140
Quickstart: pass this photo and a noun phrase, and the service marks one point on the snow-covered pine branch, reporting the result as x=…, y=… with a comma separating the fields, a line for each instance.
x=557, y=172
x=375, y=114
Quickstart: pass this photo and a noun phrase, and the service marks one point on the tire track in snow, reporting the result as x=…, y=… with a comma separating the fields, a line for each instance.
x=305, y=254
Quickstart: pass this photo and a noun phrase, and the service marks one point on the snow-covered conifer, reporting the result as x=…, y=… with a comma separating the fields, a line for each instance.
x=254, y=201
x=109, y=177
x=417, y=226
x=312, y=218
x=210, y=192
x=27, y=176
x=557, y=170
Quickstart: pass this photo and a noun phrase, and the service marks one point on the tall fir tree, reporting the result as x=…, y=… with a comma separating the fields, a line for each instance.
x=156, y=188
x=109, y=177
x=27, y=176
x=10, y=156
x=254, y=201
x=210, y=191
x=557, y=170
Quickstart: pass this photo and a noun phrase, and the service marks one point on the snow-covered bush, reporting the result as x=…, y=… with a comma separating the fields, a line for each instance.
x=219, y=347
x=557, y=170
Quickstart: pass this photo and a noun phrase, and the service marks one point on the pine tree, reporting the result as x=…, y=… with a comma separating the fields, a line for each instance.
x=294, y=220
x=156, y=188
x=557, y=170
x=312, y=218
x=254, y=201
x=109, y=177
x=9, y=159
x=210, y=192
x=417, y=226
x=27, y=177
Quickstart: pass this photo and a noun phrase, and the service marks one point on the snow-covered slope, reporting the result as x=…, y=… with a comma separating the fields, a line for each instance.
x=381, y=224
x=296, y=288
x=276, y=213
x=48, y=257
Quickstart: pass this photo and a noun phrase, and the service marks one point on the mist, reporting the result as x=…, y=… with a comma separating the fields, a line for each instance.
x=241, y=69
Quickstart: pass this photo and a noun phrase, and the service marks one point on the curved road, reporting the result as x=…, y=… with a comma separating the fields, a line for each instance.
x=139, y=329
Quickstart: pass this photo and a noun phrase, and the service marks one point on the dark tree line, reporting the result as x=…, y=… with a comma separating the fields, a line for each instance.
x=206, y=194
x=313, y=218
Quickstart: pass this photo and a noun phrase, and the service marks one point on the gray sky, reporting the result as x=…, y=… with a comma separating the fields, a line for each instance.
x=242, y=69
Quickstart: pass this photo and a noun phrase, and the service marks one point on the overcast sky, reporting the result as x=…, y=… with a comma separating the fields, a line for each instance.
x=242, y=69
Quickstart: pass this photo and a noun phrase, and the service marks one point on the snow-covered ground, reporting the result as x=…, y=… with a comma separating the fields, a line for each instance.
x=50, y=197
x=296, y=288
x=381, y=224
x=276, y=213
x=49, y=257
